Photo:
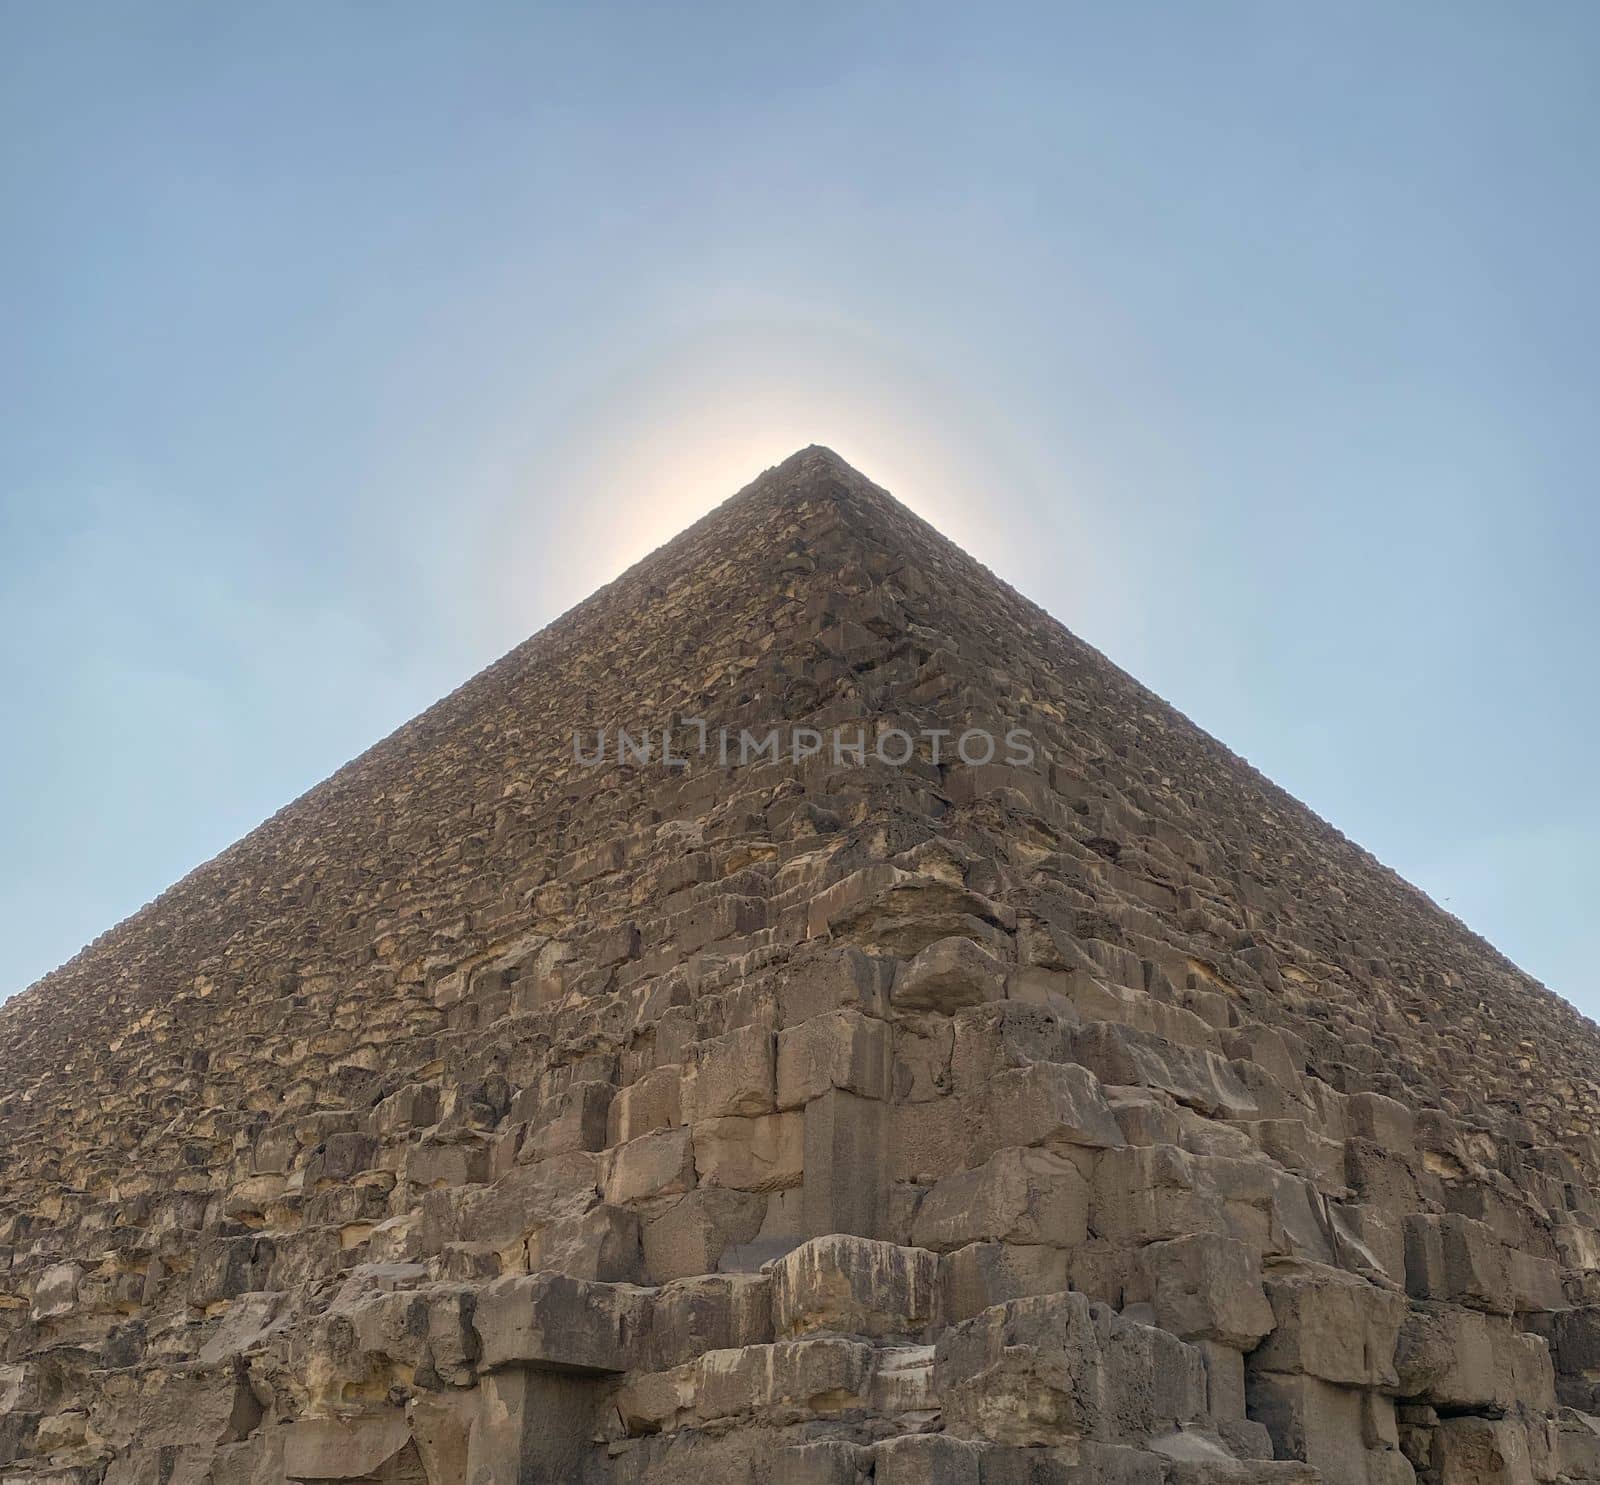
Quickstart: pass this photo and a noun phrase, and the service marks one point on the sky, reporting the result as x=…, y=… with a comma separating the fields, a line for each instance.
x=343, y=346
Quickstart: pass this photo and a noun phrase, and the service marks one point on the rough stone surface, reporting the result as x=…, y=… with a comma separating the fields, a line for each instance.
x=1089, y=1112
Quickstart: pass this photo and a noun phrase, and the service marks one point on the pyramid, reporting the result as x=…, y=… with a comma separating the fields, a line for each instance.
x=802, y=1017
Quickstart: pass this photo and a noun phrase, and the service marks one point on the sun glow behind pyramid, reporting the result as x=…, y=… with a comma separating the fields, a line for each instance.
x=673, y=432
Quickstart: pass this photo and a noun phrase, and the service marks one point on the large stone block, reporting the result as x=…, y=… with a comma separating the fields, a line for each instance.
x=1483, y=1451
x=691, y=1235
x=1195, y=1077
x=842, y=1049
x=652, y=1166
x=344, y=1448
x=1316, y=1422
x=1026, y=1372
x=713, y=1312
x=1018, y=1196
x=1331, y=1324
x=600, y=1243
x=925, y=1459
x=643, y=1107
x=732, y=1075
x=1056, y=1368
x=947, y=975
x=575, y=1119
x=1048, y=1103
x=845, y=1154
x=763, y=1153
x=855, y=1286
x=1207, y=1287
x=997, y=1036
x=1453, y=1258
x=989, y=1273
x=561, y=1324
x=1456, y=1359
x=1147, y=1193
x=786, y=1382
x=1385, y=1121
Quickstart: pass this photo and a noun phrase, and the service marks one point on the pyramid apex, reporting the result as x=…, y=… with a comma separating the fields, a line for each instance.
x=817, y=458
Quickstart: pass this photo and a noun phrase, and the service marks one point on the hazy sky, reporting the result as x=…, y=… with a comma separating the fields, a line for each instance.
x=344, y=345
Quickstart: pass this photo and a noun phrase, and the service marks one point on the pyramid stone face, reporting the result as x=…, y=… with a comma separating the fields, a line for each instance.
x=500, y=1112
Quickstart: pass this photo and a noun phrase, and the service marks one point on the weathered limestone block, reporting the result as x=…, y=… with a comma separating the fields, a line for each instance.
x=561, y=1324
x=1080, y=1463
x=1195, y=1077
x=225, y=1268
x=1055, y=1368
x=1535, y=1283
x=652, y=1166
x=1578, y=1446
x=842, y=1049
x=1483, y=1451
x=825, y=978
x=1331, y=1324
x=1018, y=1196
x=989, y=1273
x=999, y=1035
x=172, y=1407
x=902, y=1384
x=1268, y=1048
x=1050, y=1104
x=602, y=1243
x=529, y=1425
x=413, y=1107
x=249, y=1320
x=730, y=1076
x=1153, y=1383
x=1299, y=1148
x=899, y=912
x=643, y=1107
x=1385, y=1121
x=1207, y=1287
x=657, y=1402
x=1574, y=1339
x=1146, y=1117
x=925, y=1459
x=56, y=1293
x=1458, y=1359
x=575, y=1119
x=855, y=1286
x=692, y=1235
x=431, y=1164
x=1025, y=1372
x=845, y=1152
x=1146, y=1193
x=947, y=975
x=1453, y=1258
x=786, y=1381
x=764, y=1153
x=714, y=1312
x=933, y=1139
x=383, y=1329
x=344, y=1448
x=526, y=1198
x=1339, y=1430
x=1382, y=1178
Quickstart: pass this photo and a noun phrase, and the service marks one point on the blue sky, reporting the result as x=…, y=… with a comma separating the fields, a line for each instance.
x=341, y=346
